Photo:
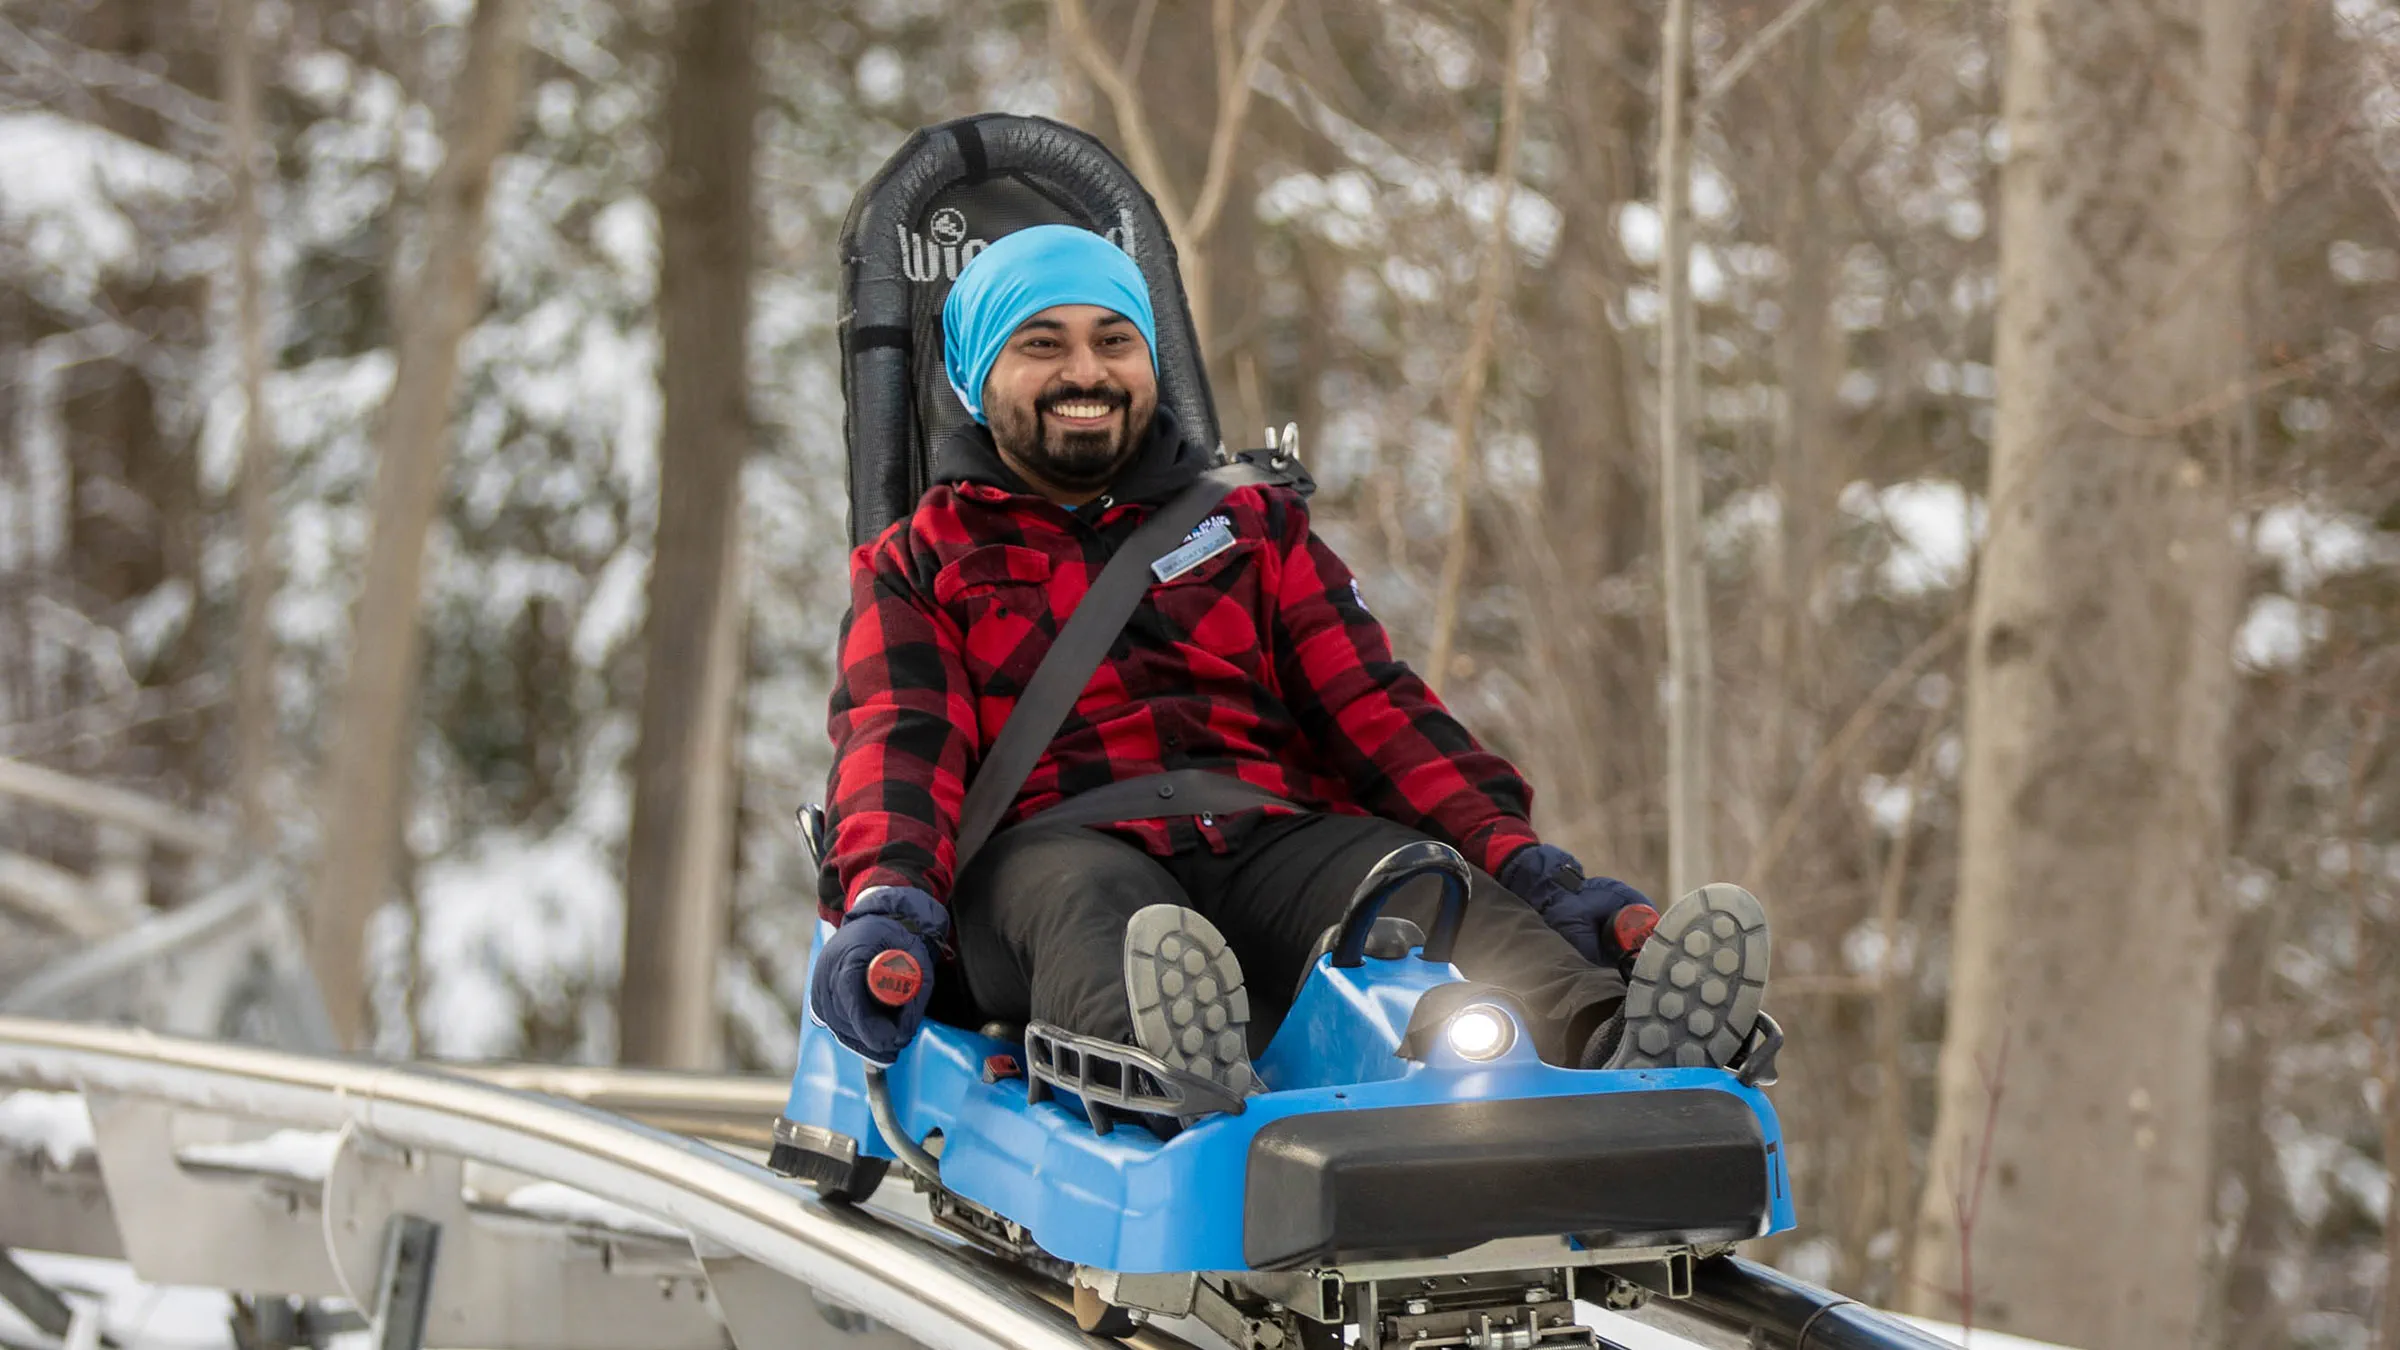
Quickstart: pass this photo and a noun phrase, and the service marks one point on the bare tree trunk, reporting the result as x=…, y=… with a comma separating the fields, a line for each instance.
x=1811, y=356
x=2374, y=958
x=679, y=859
x=367, y=785
x=1882, y=1179
x=254, y=646
x=1466, y=401
x=1685, y=587
x=2069, y=1185
x=1789, y=115
x=1589, y=734
x=2388, y=1316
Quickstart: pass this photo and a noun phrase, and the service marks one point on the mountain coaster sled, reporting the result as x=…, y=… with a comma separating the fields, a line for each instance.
x=1411, y=1168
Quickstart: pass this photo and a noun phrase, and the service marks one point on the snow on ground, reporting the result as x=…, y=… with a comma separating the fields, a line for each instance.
x=135, y=1315
x=1936, y=526
x=2308, y=545
x=510, y=920
x=69, y=185
x=302, y=1155
x=1623, y=1331
x=1980, y=1340
x=1633, y=1335
x=53, y=1124
x=2278, y=631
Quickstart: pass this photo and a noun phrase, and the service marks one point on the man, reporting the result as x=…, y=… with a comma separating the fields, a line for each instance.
x=1254, y=657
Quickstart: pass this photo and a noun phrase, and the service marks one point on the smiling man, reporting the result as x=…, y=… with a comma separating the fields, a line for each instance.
x=1253, y=658
x=1065, y=424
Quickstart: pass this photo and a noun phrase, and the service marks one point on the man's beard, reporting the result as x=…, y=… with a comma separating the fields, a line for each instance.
x=1074, y=460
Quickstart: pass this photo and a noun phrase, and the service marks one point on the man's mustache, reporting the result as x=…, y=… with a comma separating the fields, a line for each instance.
x=1114, y=398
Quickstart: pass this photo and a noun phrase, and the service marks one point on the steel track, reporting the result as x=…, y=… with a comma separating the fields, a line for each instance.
x=933, y=1294
x=624, y=1135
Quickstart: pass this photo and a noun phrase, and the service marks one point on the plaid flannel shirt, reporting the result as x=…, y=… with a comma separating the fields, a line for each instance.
x=1262, y=662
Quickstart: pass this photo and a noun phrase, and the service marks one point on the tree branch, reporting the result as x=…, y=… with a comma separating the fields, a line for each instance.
x=1233, y=108
x=1731, y=73
x=1137, y=42
x=254, y=713
x=1133, y=125
x=1683, y=571
x=1836, y=751
x=1891, y=1130
x=2229, y=396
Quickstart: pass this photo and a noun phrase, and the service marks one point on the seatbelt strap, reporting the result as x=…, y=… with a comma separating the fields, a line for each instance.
x=1067, y=668
x=1156, y=796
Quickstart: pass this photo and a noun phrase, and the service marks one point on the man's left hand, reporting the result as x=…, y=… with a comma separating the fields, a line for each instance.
x=1606, y=919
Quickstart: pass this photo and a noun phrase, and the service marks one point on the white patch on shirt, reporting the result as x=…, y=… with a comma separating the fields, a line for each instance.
x=1358, y=599
x=1220, y=521
x=1210, y=538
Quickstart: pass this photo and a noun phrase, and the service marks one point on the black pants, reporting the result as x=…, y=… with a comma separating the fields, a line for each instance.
x=1038, y=919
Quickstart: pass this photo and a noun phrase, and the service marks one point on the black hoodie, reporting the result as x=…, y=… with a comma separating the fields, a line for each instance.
x=1165, y=464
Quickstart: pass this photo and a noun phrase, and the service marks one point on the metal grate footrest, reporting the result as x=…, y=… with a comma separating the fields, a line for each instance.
x=1117, y=1081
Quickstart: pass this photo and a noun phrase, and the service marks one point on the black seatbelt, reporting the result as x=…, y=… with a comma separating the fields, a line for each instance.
x=1067, y=668
x=1154, y=796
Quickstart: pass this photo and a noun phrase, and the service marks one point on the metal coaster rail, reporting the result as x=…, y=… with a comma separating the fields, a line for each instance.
x=933, y=1295
x=769, y=1248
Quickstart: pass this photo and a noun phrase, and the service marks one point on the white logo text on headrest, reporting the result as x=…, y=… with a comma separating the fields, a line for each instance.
x=938, y=254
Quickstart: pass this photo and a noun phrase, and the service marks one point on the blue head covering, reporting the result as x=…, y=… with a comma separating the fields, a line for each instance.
x=1020, y=276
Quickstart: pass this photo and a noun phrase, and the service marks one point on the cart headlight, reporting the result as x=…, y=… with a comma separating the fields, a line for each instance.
x=1480, y=1031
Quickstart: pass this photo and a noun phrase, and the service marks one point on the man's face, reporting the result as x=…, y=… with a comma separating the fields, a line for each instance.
x=1071, y=397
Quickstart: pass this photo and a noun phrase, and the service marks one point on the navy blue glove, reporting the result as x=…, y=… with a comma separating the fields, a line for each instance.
x=1606, y=919
x=868, y=997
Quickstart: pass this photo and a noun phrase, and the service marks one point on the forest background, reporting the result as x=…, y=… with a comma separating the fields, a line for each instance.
x=420, y=449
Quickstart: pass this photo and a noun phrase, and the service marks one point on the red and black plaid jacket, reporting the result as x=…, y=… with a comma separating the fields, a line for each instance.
x=1262, y=663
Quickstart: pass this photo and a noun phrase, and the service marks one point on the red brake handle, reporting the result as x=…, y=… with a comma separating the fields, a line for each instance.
x=1632, y=927
x=894, y=977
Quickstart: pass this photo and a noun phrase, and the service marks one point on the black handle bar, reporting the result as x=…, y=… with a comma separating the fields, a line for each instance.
x=1398, y=868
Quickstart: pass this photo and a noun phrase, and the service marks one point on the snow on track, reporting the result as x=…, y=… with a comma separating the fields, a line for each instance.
x=53, y=1124
x=565, y=1204
x=302, y=1155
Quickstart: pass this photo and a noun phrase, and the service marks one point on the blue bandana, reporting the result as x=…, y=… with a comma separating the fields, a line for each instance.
x=1020, y=276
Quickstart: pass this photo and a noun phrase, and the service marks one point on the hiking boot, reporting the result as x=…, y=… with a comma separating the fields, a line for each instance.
x=1602, y=1047
x=1189, y=1006
x=1696, y=987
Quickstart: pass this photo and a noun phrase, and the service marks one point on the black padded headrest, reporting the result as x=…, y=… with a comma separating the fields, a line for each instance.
x=947, y=193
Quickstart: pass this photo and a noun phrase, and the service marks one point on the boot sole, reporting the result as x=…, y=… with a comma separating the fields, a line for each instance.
x=1698, y=983
x=1189, y=1006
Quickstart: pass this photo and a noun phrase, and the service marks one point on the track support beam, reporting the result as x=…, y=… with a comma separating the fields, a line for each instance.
x=404, y=1289
x=40, y=1303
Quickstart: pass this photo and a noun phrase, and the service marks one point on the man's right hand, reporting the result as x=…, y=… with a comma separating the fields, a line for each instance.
x=875, y=974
